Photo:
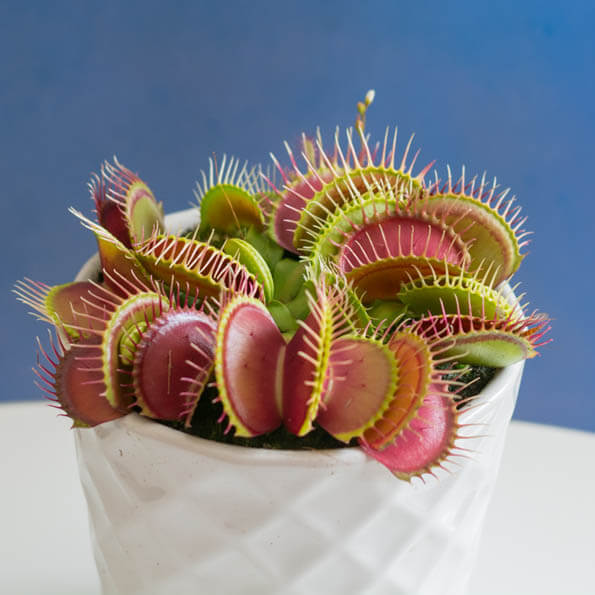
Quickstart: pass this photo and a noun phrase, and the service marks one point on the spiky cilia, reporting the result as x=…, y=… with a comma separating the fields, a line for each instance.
x=173, y=358
x=437, y=293
x=363, y=378
x=306, y=369
x=229, y=197
x=70, y=379
x=368, y=173
x=124, y=204
x=344, y=298
x=484, y=216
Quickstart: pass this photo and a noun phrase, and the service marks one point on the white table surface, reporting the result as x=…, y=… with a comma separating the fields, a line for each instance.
x=539, y=536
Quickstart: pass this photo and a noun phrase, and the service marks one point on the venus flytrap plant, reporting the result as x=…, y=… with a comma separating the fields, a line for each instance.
x=124, y=204
x=346, y=300
x=229, y=198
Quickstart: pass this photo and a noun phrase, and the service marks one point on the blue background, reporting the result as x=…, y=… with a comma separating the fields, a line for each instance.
x=506, y=87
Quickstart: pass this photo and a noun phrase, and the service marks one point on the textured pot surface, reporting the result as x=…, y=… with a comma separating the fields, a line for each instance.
x=171, y=513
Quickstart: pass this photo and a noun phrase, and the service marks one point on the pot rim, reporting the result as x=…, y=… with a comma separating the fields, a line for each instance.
x=136, y=424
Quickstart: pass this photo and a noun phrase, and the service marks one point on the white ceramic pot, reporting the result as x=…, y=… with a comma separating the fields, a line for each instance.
x=174, y=514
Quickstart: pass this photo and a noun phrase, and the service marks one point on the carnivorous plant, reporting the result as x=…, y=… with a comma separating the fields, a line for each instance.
x=346, y=292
